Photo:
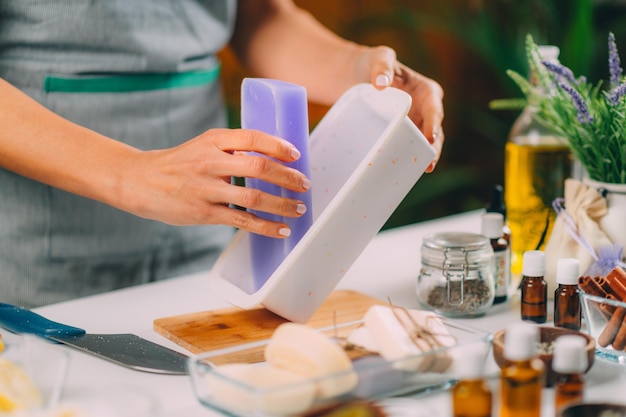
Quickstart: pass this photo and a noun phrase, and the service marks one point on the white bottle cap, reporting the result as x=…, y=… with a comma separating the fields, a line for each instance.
x=492, y=224
x=534, y=263
x=472, y=364
x=521, y=341
x=570, y=356
x=567, y=271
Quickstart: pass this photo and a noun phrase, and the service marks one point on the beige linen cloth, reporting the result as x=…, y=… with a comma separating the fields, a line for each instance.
x=576, y=232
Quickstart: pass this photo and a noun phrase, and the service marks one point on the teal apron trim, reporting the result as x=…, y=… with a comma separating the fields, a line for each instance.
x=131, y=82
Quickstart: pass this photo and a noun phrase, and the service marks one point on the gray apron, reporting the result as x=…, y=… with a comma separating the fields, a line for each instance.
x=142, y=72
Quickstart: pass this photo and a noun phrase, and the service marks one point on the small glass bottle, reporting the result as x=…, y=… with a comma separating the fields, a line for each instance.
x=534, y=287
x=471, y=396
x=522, y=380
x=496, y=205
x=567, y=309
x=569, y=363
x=492, y=228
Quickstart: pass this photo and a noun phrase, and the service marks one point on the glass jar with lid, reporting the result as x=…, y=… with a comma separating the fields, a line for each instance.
x=457, y=277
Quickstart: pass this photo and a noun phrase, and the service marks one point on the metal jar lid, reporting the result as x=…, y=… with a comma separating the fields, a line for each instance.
x=461, y=249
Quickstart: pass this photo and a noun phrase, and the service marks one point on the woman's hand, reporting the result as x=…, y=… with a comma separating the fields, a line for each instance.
x=191, y=183
x=379, y=66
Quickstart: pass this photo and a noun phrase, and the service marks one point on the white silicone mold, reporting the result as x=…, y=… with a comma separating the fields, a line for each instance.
x=366, y=155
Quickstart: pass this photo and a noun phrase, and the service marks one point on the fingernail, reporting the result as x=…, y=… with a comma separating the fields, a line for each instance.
x=295, y=154
x=382, y=80
x=306, y=183
x=284, y=231
x=300, y=209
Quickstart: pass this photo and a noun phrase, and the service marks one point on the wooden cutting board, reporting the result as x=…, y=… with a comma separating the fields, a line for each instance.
x=231, y=327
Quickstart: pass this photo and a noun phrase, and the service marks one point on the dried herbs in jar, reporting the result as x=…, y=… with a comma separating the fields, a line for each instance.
x=457, y=277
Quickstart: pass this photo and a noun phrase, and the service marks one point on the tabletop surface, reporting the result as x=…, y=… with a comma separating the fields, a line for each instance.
x=388, y=267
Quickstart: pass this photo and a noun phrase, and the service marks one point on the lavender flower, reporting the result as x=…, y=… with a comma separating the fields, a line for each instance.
x=614, y=62
x=590, y=116
x=583, y=111
x=616, y=94
x=560, y=71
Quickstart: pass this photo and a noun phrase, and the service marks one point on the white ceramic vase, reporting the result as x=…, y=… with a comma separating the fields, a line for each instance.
x=614, y=222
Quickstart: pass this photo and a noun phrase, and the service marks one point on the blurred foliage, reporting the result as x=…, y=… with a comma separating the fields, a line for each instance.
x=467, y=46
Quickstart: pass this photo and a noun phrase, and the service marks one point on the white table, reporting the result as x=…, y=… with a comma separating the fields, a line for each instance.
x=387, y=268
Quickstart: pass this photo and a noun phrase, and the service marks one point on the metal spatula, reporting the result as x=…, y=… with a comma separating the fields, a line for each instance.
x=128, y=350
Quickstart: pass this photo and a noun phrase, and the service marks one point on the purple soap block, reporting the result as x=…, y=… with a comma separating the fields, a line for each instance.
x=280, y=109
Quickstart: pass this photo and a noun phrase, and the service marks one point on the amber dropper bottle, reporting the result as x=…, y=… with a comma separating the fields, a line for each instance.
x=491, y=227
x=567, y=310
x=471, y=396
x=534, y=287
x=522, y=380
x=569, y=363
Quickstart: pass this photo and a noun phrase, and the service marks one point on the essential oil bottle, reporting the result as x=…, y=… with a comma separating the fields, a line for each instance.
x=534, y=287
x=522, y=380
x=472, y=396
x=496, y=205
x=569, y=363
x=567, y=310
x=492, y=228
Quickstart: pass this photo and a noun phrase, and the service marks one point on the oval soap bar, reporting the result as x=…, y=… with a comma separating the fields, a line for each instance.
x=305, y=351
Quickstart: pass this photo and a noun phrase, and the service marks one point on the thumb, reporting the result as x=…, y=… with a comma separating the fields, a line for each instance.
x=382, y=62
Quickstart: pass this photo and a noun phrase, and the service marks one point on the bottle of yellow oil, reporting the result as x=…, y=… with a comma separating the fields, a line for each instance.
x=537, y=162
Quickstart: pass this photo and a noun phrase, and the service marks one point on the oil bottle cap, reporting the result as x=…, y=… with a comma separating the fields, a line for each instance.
x=570, y=356
x=492, y=224
x=567, y=271
x=521, y=341
x=534, y=263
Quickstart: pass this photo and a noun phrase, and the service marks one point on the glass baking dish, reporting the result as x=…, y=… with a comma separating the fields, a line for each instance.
x=32, y=375
x=377, y=378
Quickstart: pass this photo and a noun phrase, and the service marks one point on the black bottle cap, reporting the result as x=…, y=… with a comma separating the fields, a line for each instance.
x=497, y=201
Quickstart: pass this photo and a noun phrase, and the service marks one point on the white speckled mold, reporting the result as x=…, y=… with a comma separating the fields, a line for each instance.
x=366, y=155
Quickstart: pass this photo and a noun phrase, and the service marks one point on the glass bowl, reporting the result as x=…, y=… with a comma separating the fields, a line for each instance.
x=376, y=378
x=606, y=323
x=32, y=375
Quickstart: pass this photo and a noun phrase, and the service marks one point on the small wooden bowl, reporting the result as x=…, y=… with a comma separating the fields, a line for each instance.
x=547, y=335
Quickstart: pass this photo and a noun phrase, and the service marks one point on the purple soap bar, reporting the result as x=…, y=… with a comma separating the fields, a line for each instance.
x=280, y=109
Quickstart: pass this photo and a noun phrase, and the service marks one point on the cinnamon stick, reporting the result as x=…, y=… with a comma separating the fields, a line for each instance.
x=593, y=286
x=613, y=327
x=619, y=342
x=616, y=279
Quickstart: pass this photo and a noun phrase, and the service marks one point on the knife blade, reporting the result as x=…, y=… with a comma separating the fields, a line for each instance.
x=126, y=349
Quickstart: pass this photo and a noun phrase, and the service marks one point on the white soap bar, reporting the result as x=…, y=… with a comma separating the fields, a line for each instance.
x=302, y=350
x=250, y=388
x=362, y=338
x=402, y=333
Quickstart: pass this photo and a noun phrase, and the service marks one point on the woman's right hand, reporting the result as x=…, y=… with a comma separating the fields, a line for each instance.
x=191, y=183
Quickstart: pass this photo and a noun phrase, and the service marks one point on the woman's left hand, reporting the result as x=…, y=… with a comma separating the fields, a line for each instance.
x=380, y=66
